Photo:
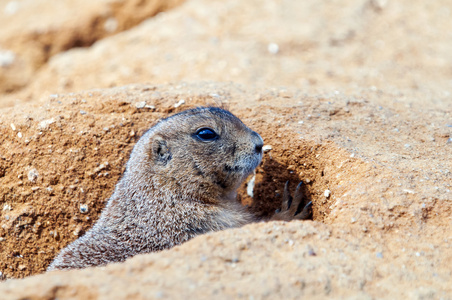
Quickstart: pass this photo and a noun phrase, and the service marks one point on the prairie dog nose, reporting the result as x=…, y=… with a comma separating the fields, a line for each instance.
x=258, y=142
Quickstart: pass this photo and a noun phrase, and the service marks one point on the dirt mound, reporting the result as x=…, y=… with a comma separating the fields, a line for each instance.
x=378, y=209
x=354, y=99
x=392, y=46
x=31, y=32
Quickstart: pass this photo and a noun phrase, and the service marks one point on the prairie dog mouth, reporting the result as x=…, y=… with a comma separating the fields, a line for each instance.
x=246, y=165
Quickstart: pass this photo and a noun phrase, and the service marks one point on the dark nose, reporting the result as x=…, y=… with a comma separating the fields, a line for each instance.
x=258, y=142
x=259, y=147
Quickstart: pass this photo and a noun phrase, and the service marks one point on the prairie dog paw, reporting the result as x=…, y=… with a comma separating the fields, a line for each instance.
x=293, y=208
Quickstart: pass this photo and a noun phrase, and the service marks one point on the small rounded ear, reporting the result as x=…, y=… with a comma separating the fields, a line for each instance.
x=160, y=151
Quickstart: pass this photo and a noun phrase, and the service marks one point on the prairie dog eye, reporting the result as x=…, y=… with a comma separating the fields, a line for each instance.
x=206, y=134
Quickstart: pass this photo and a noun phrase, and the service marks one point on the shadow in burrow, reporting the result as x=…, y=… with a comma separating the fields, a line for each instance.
x=271, y=177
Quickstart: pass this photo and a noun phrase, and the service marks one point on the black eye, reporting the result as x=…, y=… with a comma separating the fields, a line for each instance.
x=206, y=134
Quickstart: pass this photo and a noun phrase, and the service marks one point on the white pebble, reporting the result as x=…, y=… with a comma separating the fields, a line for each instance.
x=11, y=8
x=111, y=24
x=273, y=48
x=19, y=134
x=141, y=104
x=45, y=124
x=181, y=101
x=6, y=58
x=267, y=148
x=13, y=127
x=33, y=175
x=83, y=208
x=327, y=193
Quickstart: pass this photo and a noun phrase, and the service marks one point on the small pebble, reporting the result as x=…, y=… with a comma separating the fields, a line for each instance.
x=273, y=48
x=182, y=101
x=13, y=127
x=111, y=24
x=33, y=175
x=19, y=134
x=45, y=124
x=327, y=193
x=311, y=251
x=140, y=105
x=11, y=8
x=267, y=148
x=6, y=58
x=83, y=208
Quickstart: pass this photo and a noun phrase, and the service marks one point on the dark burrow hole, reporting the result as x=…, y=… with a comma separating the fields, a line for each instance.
x=273, y=173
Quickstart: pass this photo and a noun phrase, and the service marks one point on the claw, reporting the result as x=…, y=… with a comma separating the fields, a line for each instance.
x=287, y=198
x=305, y=213
x=298, y=197
x=291, y=207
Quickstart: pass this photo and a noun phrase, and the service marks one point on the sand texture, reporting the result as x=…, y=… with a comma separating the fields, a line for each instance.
x=354, y=98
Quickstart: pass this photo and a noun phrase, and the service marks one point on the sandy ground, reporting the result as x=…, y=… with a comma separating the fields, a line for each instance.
x=353, y=96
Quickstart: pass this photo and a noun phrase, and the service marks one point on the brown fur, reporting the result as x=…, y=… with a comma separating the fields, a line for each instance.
x=175, y=187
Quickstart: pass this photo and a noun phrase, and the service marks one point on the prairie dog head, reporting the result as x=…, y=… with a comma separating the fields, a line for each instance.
x=206, y=149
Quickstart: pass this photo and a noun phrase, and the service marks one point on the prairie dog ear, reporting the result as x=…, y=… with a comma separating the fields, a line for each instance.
x=161, y=153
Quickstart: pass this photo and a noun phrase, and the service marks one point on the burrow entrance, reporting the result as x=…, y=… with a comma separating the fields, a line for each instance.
x=323, y=168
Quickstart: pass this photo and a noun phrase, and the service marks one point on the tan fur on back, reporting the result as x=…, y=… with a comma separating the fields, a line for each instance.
x=175, y=187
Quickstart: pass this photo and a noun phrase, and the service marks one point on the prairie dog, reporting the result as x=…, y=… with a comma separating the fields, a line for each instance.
x=181, y=180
